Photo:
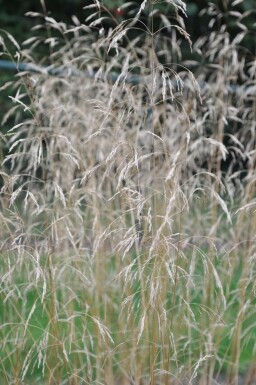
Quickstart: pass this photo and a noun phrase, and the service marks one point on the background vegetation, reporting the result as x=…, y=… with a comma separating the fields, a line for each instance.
x=128, y=196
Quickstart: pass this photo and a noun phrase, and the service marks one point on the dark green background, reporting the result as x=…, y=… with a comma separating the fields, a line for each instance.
x=12, y=13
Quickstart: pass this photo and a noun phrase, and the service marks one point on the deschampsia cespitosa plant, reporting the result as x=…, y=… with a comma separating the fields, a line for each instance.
x=128, y=201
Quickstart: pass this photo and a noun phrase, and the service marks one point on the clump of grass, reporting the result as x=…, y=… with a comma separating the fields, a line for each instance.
x=129, y=252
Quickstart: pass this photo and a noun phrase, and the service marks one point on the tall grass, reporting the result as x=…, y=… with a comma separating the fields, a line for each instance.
x=127, y=221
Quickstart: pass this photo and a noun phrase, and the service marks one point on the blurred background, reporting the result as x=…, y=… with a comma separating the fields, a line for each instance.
x=13, y=14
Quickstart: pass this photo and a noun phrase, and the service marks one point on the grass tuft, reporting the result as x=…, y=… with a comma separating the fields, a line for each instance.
x=127, y=204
